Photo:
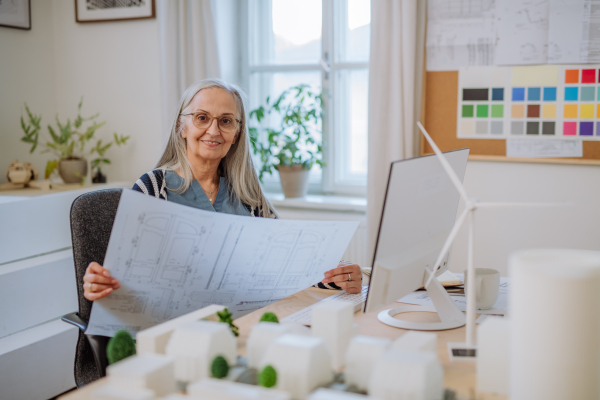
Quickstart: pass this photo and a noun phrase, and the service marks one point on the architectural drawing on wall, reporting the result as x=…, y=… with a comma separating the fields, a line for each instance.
x=172, y=259
x=544, y=102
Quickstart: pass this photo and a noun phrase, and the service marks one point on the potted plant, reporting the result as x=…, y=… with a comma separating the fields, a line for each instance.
x=294, y=145
x=68, y=144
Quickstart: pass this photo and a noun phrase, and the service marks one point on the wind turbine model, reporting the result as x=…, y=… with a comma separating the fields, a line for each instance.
x=465, y=350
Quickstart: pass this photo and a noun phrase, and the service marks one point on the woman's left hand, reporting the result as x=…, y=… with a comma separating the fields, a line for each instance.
x=347, y=276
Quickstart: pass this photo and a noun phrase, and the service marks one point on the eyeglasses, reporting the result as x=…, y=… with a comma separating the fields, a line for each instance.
x=225, y=123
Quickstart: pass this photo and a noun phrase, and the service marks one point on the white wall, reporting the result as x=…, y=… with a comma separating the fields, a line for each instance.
x=114, y=65
x=499, y=232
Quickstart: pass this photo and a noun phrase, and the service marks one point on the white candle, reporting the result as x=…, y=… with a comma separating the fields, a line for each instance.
x=554, y=306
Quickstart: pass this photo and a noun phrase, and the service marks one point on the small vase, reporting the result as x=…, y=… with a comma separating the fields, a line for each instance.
x=294, y=180
x=98, y=177
x=73, y=170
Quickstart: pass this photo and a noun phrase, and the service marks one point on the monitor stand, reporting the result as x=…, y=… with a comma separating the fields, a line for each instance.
x=450, y=315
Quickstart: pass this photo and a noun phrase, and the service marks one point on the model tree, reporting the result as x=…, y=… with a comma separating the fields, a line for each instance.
x=219, y=367
x=269, y=317
x=267, y=377
x=227, y=317
x=120, y=346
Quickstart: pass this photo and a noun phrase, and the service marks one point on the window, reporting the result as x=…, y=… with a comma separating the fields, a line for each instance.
x=325, y=44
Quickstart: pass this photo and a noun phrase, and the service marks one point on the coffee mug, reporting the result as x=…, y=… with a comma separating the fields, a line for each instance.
x=487, y=283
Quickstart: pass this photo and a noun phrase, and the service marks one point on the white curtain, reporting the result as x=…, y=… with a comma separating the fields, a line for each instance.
x=395, y=72
x=188, y=49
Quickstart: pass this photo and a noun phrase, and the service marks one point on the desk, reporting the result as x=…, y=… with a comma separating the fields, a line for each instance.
x=458, y=376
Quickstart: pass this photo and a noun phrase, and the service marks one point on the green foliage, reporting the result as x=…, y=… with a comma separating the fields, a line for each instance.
x=219, y=367
x=269, y=317
x=267, y=377
x=297, y=139
x=227, y=317
x=68, y=140
x=120, y=346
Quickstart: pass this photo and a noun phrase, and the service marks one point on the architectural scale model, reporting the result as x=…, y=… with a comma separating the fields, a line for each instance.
x=194, y=346
x=416, y=341
x=299, y=366
x=493, y=355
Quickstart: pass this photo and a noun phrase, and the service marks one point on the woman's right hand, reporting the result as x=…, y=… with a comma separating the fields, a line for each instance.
x=97, y=282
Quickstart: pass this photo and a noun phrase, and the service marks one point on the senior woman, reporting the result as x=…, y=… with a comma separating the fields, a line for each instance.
x=207, y=165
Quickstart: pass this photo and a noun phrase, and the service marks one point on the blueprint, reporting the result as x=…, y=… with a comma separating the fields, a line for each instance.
x=172, y=259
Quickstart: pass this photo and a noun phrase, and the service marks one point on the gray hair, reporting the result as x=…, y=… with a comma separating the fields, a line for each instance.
x=237, y=166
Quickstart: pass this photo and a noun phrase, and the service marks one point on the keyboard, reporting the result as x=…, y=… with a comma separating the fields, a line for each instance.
x=304, y=316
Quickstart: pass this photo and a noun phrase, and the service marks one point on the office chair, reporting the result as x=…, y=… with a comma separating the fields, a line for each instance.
x=92, y=216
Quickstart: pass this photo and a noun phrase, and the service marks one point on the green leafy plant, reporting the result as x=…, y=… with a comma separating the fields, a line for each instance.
x=267, y=377
x=296, y=140
x=219, y=367
x=269, y=317
x=120, y=346
x=227, y=317
x=69, y=140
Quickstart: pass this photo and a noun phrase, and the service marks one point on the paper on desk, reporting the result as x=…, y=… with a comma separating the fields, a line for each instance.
x=172, y=259
x=540, y=148
x=500, y=307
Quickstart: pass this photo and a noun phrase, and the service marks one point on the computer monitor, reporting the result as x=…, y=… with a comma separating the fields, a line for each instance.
x=418, y=213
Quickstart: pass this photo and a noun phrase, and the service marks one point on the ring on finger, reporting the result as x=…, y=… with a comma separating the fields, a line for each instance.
x=349, y=277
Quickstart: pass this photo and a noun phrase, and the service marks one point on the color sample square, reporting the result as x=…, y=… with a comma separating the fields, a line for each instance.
x=548, y=128
x=467, y=126
x=598, y=128
x=534, y=93
x=586, y=128
x=571, y=93
x=475, y=94
x=533, y=128
x=588, y=93
x=569, y=128
x=598, y=98
x=533, y=111
x=481, y=127
x=549, y=111
x=518, y=94
x=516, y=128
x=598, y=109
x=570, y=111
x=586, y=111
x=482, y=110
x=588, y=76
x=497, y=110
x=572, y=76
x=549, y=94
x=497, y=94
x=518, y=111
x=497, y=127
x=467, y=111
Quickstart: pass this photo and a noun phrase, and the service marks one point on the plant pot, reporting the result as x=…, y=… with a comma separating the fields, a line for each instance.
x=73, y=170
x=294, y=180
x=98, y=177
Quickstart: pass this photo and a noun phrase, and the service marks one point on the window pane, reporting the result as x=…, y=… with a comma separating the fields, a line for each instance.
x=285, y=32
x=272, y=84
x=351, y=125
x=352, y=30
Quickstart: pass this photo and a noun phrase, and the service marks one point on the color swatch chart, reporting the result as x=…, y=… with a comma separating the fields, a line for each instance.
x=547, y=102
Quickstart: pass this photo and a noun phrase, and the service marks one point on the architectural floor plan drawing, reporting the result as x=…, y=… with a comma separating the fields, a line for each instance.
x=172, y=259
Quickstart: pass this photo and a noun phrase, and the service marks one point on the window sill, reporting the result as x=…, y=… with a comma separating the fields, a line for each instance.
x=320, y=202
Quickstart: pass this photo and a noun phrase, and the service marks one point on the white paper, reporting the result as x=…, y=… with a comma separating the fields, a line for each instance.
x=574, y=31
x=422, y=298
x=522, y=32
x=172, y=259
x=460, y=33
x=541, y=148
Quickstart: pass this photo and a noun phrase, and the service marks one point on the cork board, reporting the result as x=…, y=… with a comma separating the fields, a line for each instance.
x=440, y=112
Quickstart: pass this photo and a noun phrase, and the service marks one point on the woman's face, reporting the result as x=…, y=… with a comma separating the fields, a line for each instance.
x=210, y=144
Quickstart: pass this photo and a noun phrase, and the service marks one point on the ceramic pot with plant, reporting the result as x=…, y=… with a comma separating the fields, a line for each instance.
x=294, y=145
x=68, y=143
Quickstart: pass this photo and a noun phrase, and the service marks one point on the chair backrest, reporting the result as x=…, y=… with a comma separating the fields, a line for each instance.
x=92, y=218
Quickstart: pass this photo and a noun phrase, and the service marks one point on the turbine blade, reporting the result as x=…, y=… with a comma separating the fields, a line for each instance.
x=448, y=243
x=449, y=170
x=510, y=205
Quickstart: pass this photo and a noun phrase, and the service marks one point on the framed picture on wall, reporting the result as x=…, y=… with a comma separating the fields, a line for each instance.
x=15, y=14
x=113, y=10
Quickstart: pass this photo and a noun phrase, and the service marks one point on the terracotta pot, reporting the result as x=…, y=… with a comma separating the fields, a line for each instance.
x=73, y=170
x=294, y=180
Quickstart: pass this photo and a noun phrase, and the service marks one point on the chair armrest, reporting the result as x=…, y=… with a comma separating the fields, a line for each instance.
x=75, y=319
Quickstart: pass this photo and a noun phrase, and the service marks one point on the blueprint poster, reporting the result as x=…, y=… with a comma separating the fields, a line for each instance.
x=172, y=259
